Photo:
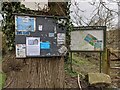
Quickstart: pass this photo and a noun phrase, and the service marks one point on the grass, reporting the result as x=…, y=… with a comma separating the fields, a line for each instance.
x=81, y=65
x=69, y=71
x=2, y=80
x=2, y=75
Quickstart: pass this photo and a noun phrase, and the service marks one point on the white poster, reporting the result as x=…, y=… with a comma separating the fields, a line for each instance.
x=20, y=50
x=60, y=38
x=87, y=40
x=33, y=46
x=40, y=27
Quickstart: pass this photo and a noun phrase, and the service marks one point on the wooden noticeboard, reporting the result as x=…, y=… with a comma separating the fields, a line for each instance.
x=40, y=36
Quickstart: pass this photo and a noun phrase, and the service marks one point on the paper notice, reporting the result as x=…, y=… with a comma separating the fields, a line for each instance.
x=33, y=46
x=20, y=50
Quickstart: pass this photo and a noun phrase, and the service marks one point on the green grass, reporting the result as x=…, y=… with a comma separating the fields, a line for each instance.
x=80, y=65
x=2, y=80
x=2, y=75
x=69, y=71
x=76, y=62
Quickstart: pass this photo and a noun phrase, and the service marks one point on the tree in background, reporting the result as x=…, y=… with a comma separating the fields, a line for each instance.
x=100, y=15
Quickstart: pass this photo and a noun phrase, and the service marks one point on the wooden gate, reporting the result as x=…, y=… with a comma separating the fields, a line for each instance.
x=110, y=56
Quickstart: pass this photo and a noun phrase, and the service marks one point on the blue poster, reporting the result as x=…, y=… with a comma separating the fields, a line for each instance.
x=24, y=23
x=45, y=45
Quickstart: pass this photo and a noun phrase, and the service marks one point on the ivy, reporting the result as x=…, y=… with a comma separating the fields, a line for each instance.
x=8, y=23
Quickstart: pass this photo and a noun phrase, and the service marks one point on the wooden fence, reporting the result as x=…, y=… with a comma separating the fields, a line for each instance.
x=110, y=56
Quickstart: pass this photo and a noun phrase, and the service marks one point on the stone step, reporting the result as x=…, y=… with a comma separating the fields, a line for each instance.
x=99, y=79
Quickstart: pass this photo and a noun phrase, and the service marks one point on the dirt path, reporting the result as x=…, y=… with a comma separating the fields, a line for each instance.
x=83, y=66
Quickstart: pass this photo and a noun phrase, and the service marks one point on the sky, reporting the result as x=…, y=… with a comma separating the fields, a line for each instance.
x=87, y=8
x=1, y=17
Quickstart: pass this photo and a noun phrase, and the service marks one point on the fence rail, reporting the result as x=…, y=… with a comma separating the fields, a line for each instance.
x=107, y=60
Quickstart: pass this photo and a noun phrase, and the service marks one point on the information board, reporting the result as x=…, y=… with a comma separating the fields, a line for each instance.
x=90, y=38
x=40, y=36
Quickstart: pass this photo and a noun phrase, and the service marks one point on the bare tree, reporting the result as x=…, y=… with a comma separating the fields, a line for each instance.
x=102, y=15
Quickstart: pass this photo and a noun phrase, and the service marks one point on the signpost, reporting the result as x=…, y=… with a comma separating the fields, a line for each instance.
x=88, y=39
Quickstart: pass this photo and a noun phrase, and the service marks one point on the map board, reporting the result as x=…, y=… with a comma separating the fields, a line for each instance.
x=39, y=36
x=89, y=38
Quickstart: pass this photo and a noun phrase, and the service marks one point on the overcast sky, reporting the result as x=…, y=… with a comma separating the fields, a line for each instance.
x=88, y=9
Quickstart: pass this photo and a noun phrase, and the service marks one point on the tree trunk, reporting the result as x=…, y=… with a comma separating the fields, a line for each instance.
x=34, y=72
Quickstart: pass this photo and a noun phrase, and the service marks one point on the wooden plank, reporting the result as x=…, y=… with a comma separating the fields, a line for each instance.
x=116, y=51
x=114, y=54
x=115, y=67
x=112, y=50
x=115, y=59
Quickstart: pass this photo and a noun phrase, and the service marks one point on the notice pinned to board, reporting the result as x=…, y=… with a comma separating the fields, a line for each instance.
x=20, y=50
x=25, y=23
x=45, y=45
x=33, y=46
x=40, y=27
x=22, y=33
x=61, y=38
x=63, y=50
x=51, y=34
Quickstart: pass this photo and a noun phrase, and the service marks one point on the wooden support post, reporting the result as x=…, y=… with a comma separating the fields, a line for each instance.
x=71, y=61
x=100, y=61
x=106, y=61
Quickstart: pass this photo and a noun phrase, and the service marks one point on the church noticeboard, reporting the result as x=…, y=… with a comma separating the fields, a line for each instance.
x=39, y=36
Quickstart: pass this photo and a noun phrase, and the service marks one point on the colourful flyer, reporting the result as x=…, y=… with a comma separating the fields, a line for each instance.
x=45, y=45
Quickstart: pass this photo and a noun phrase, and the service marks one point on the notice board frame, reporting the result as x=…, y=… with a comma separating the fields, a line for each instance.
x=44, y=16
x=104, y=46
x=87, y=28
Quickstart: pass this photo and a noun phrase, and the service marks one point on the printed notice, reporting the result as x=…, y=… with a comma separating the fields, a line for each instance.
x=45, y=45
x=40, y=27
x=25, y=23
x=60, y=38
x=33, y=46
x=20, y=50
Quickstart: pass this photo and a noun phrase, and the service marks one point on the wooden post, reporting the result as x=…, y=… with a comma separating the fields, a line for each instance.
x=71, y=61
x=100, y=61
x=106, y=61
